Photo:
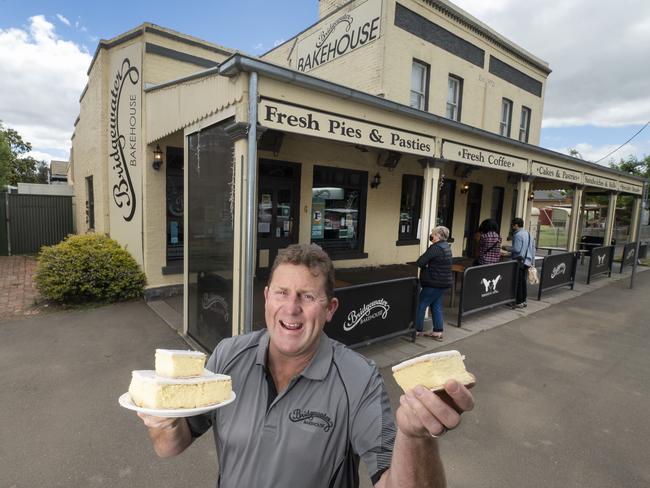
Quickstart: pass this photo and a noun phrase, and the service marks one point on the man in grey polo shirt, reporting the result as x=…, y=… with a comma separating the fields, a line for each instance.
x=307, y=407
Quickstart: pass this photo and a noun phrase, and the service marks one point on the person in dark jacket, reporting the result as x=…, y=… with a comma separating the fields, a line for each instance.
x=435, y=279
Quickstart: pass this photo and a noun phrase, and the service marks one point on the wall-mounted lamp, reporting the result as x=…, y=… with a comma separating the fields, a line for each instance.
x=376, y=181
x=157, y=158
x=531, y=197
x=464, y=188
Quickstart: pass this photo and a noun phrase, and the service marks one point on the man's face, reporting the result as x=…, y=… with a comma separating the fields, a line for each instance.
x=296, y=310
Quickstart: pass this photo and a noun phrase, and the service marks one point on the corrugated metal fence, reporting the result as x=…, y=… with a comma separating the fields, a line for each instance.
x=32, y=221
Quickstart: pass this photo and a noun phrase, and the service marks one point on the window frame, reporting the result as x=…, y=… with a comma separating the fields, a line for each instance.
x=411, y=237
x=425, y=80
x=329, y=177
x=505, y=124
x=526, y=129
x=446, y=188
x=459, y=98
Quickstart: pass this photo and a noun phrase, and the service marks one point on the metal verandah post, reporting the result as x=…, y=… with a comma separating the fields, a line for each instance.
x=644, y=203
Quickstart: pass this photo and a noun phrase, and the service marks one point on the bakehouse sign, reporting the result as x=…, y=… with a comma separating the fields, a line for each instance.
x=339, y=36
x=302, y=120
x=480, y=157
x=555, y=173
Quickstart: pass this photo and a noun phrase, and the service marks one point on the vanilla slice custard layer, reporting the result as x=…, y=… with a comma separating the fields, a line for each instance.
x=432, y=371
x=179, y=364
x=152, y=391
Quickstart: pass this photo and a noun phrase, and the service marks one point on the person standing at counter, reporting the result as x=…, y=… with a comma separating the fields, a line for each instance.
x=435, y=279
x=489, y=244
x=523, y=250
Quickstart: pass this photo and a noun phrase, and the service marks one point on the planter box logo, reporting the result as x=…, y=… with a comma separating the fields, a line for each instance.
x=490, y=286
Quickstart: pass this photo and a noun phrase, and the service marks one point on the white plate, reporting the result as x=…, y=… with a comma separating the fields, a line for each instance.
x=126, y=401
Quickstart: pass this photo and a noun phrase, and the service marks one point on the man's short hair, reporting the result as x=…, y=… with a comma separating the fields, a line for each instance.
x=312, y=256
x=518, y=222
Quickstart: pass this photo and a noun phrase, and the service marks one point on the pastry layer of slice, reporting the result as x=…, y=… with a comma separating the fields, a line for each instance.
x=152, y=391
x=179, y=364
x=432, y=371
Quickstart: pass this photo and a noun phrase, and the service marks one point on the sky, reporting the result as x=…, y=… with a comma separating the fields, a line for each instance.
x=597, y=97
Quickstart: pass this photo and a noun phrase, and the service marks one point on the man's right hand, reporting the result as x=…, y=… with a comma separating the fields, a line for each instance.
x=158, y=422
x=170, y=436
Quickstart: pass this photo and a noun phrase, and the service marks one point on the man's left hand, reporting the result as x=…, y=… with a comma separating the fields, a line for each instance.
x=425, y=414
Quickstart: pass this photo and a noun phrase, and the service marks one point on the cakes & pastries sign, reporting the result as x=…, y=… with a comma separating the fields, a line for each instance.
x=307, y=121
x=340, y=36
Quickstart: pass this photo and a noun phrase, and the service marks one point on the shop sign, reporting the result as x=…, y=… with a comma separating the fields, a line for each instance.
x=599, y=181
x=307, y=121
x=627, y=188
x=481, y=157
x=555, y=173
x=125, y=146
x=338, y=36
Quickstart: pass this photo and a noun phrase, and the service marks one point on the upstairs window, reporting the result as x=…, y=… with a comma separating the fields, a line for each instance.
x=409, y=212
x=454, y=97
x=524, y=124
x=420, y=85
x=506, y=117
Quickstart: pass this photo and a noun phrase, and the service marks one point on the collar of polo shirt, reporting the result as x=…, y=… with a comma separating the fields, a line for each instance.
x=318, y=366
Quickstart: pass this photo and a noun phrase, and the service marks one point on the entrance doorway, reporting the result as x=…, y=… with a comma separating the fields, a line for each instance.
x=474, y=195
x=278, y=198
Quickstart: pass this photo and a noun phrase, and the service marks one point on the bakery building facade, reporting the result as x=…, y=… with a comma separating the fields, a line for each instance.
x=360, y=134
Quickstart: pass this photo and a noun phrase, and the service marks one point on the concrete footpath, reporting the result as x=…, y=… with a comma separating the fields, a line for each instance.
x=562, y=397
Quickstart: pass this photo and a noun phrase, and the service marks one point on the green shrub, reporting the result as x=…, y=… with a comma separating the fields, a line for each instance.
x=88, y=268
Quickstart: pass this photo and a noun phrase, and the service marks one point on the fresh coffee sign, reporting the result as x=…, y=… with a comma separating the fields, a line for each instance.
x=481, y=157
x=302, y=120
x=339, y=36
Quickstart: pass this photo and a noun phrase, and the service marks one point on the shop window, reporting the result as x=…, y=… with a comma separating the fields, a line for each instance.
x=174, y=197
x=409, y=212
x=524, y=124
x=454, y=97
x=420, y=85
x=338, y=210
x=90, y=203
x=445, y=214
x=506, y=117
x=496, y=211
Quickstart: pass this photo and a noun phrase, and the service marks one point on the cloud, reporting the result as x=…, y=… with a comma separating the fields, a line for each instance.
x=258, y=47
x=42, y=79
x=63, y=19
x=595, y=153
x=597, y=50
x=44, y=156
x=277, y=42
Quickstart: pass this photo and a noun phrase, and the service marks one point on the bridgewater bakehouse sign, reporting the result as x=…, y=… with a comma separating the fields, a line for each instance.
x=124, y=130
x=335, y=38
x=302, y=120
x=480, y=157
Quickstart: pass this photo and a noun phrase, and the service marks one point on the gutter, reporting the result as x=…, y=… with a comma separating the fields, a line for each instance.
x=241, y=63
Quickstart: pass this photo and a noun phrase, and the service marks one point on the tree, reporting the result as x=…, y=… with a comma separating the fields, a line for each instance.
x=5, y=156
x=633, y=165
x=20, y=168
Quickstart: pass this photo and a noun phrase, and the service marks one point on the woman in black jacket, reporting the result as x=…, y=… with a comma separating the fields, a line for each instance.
x=435, y=279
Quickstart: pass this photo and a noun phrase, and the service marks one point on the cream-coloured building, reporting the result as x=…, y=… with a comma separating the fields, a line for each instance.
x=362, y=133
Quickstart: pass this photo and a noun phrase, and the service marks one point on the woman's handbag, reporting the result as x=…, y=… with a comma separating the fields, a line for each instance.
x=533, y=279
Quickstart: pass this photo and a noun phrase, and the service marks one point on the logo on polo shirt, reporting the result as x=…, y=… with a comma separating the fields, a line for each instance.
x=310, y=417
